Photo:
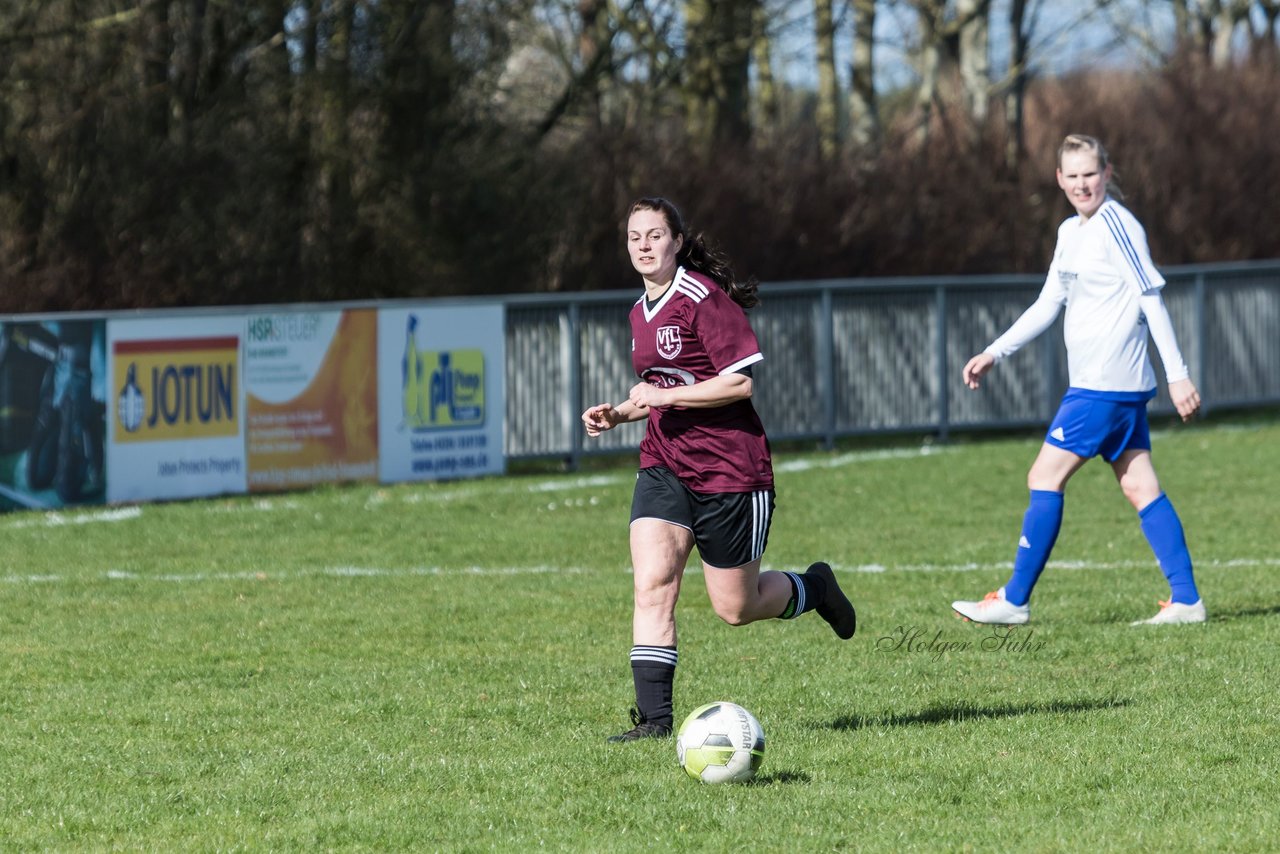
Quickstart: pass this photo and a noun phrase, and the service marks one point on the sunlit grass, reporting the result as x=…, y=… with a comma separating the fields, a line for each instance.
x=435, y=667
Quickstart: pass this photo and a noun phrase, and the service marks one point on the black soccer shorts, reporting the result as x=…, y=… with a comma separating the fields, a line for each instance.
x=730, y=528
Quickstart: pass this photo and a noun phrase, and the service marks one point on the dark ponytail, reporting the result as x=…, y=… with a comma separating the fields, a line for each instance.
x=698, y=256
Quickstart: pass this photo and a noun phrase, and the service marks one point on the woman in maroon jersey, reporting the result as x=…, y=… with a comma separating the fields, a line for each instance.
x=706, y=477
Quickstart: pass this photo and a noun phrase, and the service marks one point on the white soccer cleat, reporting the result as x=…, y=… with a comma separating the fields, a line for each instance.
x=1174, y=613
x=994, y=609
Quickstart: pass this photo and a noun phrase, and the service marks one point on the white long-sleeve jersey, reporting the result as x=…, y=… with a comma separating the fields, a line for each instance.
x=1103, y=273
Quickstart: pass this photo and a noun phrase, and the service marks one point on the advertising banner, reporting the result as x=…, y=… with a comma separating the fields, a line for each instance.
x=440, y=392
x=177, y=425
x=53, y=383
x=311, y=382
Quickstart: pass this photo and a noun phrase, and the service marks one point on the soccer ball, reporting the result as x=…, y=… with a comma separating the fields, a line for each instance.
x=720, y=743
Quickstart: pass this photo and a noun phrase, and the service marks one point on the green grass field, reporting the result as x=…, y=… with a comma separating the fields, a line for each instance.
x=436, y=667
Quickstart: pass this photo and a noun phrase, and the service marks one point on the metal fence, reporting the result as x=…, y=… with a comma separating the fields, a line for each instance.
x=853, y=357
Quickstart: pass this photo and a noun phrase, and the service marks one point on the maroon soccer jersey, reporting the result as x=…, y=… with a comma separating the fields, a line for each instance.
x=695, y=332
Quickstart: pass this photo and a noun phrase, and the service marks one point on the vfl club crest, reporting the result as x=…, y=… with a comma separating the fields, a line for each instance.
x=669, y=341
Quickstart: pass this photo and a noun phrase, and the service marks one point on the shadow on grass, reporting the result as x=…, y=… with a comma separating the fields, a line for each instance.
x=959, y=713
x=781, y=778
x=1244, y=613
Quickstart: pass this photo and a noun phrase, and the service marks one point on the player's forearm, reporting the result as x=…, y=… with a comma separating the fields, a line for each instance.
x=1034, y=320
x=717, y=391
x=1161, y=328
x=626, y=412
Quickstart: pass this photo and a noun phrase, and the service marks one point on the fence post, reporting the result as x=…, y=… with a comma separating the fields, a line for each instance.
x=1201, y=331
x=827, y=368
x=570, y=359
x=940, y=334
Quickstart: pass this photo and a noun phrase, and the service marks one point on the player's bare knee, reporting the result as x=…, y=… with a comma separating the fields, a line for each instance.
x=1140, y=497
x=734, y=614
x=656, y=596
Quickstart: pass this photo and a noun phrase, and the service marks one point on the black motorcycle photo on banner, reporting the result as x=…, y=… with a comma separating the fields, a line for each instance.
x=52, y=413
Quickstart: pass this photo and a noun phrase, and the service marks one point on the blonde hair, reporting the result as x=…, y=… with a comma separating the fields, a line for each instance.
x=1074, y=142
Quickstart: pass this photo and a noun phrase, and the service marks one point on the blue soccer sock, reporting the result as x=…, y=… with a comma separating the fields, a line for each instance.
x=1040, y=528
x=1163, y=529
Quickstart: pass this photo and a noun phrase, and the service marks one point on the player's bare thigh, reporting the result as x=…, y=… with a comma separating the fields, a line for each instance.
x=1052, y=468
x=659, y=551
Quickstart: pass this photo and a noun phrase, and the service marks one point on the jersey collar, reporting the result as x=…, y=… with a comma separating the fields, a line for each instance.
x=650, y=314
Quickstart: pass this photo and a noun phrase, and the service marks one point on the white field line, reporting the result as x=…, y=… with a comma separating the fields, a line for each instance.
x=565, y=484
x=57, y=519
x=854, y=457
x=385, y=572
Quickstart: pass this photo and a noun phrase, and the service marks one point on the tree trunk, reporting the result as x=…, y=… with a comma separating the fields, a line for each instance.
x=335, y=151
x=717, y=65
x=767, y=107
x=593, y=41
x=419, y=80
x=1229, y=15
x=1264, y=46
x=188, y=67
x=928, y=63
x=863, y=110
x=975, y=64
x=155, y=69
x=1182, y=34
x=826, y=111
x=1015, y=144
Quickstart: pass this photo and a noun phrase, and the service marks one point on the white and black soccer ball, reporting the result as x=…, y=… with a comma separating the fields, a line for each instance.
x=720, y=743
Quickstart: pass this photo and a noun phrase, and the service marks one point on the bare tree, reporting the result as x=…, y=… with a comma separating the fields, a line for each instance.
x=827, y=109
x=974, y=60
x=939, y=42
x=1208, y=27
x=594, y=44
x=864, y=111
x=1227, y=17
x=1015, y=92
x=418, y=74
x=767, y=101
x=717, y=64
x=1264, y=42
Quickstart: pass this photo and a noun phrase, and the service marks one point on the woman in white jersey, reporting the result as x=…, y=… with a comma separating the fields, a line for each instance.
x=706, y=476
x=1103, y=274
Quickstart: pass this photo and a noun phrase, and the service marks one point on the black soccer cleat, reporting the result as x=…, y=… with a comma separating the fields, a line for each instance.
x=642, y=727
x=835, y=607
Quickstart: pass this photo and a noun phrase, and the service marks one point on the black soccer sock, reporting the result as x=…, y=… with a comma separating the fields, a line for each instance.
x=806, y=592
x=654, y=670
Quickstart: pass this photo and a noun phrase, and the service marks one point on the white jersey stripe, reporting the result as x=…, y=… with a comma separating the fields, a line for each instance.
x=742, y=363
x=696, y=296
x=691, y=286
x=1126, y=247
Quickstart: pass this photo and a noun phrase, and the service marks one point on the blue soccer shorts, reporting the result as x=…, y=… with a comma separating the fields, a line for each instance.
x=1091, y=426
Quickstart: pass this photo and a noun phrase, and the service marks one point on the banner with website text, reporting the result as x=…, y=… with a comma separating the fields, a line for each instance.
x=192, y=404
x=441, y=402
x=311, y=380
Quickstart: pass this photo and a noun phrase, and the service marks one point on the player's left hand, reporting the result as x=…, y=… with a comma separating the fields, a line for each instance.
x=645, y=395
x=1185, y=398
